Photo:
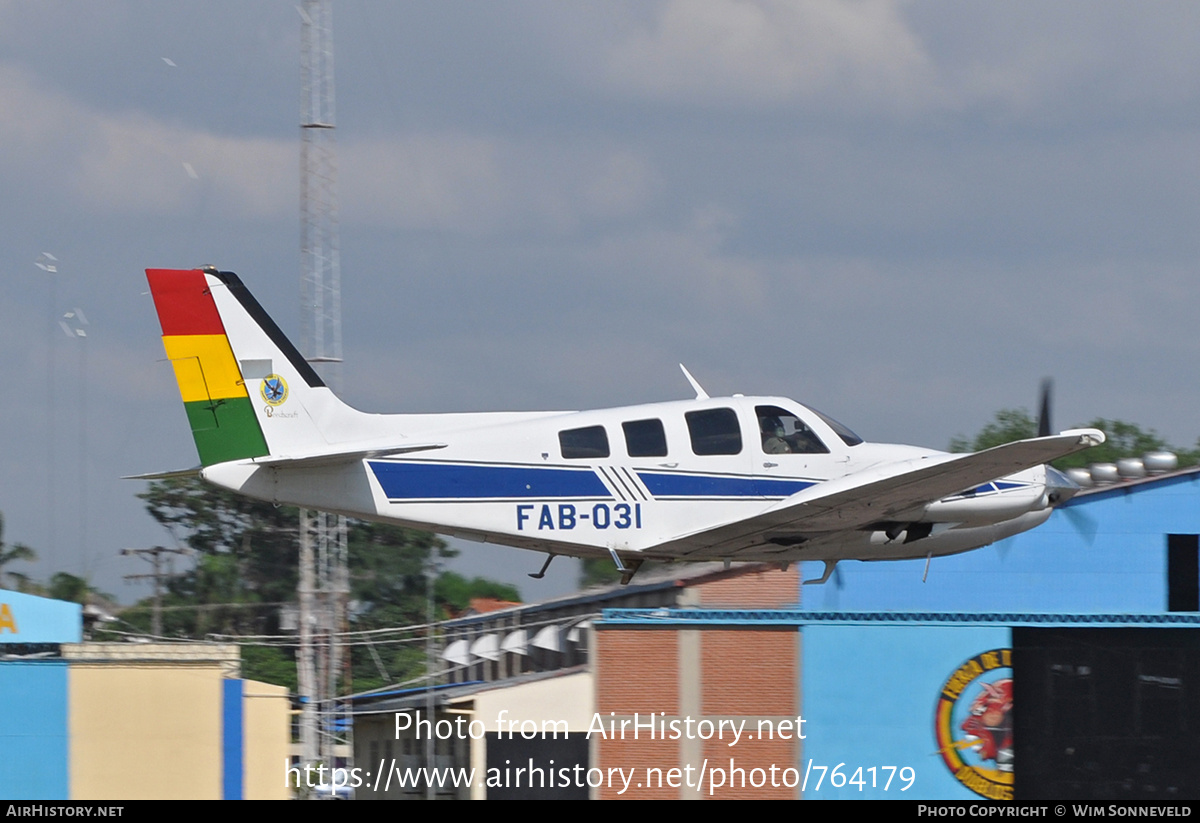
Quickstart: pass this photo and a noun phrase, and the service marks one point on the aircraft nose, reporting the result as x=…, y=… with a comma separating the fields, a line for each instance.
x=1059, y=487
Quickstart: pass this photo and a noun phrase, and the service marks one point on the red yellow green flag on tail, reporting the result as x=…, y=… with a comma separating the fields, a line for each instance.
x=214, y=393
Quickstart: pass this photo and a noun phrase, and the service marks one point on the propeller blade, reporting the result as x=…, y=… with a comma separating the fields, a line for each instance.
x=1044, y=413
x=1084, y=524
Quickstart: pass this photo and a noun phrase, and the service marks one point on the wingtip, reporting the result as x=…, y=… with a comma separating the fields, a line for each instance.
x=1087, y=437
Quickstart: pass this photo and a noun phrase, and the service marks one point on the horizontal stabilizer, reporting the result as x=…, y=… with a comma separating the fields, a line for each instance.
x=335, y=458
x=302, y=461
x=172, y=475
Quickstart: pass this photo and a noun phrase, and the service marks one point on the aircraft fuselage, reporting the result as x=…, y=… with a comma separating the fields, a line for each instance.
x=631, y=479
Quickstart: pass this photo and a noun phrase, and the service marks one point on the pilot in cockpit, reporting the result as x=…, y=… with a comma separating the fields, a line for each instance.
x=773, y=433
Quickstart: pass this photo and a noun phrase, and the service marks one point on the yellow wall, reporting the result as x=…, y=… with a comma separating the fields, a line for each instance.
x=268, y=738
x=145, y=730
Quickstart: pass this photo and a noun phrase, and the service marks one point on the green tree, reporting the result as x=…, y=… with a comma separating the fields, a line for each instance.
x=73, y=589
x=389, y=569
x=1007, y=426
x=246, y=569
x=597, y=571
x=601, y=571
x=1123, y=439
x=455, y=592
x=244, y=559
x=12, y=554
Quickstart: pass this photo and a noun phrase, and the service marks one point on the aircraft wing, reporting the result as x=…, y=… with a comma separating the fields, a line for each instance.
x=879, y=493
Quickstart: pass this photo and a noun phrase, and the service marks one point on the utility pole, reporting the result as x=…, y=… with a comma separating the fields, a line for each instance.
x=154, y=556
x=324, y=578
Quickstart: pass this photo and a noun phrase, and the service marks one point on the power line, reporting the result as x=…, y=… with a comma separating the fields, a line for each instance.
x=155, y=557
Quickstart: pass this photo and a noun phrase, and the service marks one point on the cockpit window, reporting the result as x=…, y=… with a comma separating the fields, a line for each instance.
x=714, y=431
x=784, y=433
x=645, y=438
x=587, y=442
x=848, y=437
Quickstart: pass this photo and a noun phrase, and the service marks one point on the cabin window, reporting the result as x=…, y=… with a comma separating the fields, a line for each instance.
x=645, y=438
x=784, y=433
x=714, y=431
x=591, y=441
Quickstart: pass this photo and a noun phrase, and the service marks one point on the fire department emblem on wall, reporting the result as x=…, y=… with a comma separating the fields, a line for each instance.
x=974, y=724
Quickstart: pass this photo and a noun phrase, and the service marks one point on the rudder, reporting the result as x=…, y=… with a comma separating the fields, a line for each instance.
x=219, y=409
x=247, y=390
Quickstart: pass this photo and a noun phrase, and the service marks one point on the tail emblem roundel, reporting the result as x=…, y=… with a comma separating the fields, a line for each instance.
x=274, y=390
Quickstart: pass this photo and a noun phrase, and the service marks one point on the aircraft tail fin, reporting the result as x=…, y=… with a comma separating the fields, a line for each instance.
x=247, y=390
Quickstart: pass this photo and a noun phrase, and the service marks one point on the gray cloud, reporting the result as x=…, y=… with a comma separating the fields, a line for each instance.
x=771, y=52
x=903, y=213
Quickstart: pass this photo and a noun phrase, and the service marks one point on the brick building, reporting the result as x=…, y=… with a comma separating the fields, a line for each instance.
x=559, y=663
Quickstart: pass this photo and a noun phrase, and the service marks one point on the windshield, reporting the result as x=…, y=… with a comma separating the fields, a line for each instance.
x=848, y=437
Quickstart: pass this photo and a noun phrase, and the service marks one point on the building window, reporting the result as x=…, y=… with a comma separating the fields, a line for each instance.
x=1183, y=573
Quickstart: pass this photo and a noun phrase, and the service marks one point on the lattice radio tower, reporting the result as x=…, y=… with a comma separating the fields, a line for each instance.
x=325, y=731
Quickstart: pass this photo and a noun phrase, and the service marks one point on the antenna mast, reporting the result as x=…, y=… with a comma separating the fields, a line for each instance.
x=325, y=734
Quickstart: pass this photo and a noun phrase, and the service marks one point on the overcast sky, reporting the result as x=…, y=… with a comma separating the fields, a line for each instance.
x=904, y=214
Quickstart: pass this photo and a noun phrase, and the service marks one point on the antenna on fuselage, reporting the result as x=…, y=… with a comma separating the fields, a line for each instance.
x=701, y=394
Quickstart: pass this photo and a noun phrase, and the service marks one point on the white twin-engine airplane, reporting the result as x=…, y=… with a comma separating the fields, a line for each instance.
x=727, y=478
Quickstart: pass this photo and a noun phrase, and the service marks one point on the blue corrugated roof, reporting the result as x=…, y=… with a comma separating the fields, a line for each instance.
x=796, y=617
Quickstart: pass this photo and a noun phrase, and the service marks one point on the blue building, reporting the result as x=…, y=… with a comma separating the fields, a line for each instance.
x=125, y=721
x=1060, y=663
x=34, y=738
x=1122, y=549
x=1063, y=662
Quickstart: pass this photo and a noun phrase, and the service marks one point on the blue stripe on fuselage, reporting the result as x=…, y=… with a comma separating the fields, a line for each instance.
x=705, y=485
x=441, y=481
